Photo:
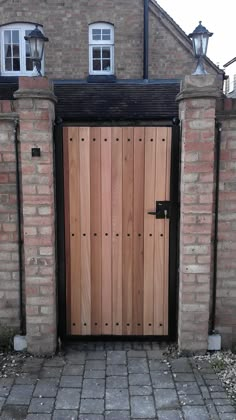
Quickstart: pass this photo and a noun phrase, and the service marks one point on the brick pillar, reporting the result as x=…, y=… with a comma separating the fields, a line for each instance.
x=197, y=102
x=35, y=105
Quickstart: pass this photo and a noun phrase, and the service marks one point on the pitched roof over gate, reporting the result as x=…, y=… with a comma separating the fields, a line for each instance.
x=122, y=100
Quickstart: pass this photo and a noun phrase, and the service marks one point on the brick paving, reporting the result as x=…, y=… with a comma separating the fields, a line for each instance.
x=114, y=381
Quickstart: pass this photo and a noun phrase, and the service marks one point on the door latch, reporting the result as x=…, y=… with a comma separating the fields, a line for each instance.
x=163, y=210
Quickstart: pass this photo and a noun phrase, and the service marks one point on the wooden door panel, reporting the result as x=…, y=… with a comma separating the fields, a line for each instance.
x=117, y=255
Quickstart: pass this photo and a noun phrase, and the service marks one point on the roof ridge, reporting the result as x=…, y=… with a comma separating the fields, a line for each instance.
x=171, y=20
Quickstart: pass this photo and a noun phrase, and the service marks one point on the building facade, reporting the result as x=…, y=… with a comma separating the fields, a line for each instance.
x=107, y=202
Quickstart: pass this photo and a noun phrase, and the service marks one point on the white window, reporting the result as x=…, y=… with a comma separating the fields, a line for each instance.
x=15, y=52
x=101, y=48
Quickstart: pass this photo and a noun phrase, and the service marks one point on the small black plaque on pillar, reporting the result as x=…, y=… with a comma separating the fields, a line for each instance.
x=35, y=152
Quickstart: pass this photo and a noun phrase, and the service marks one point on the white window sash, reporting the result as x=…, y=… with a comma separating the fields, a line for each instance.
x=101, y=43
x=22, y=55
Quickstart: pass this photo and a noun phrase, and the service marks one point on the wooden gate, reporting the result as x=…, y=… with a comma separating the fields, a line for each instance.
x=117, y=255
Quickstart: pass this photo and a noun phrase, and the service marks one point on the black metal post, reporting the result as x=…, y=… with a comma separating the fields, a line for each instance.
x=215, y=244
x=19, y=231
x=146, y=40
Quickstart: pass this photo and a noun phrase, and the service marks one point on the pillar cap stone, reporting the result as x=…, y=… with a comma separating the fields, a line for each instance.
x=36, y=88
x=199, y=87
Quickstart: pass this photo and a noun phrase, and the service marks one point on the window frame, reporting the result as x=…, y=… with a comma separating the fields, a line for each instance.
x=22, y=27
x=101, y=43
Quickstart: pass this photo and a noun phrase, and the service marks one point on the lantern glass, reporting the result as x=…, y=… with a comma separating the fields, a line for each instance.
x=200, y=43
x=36, y=48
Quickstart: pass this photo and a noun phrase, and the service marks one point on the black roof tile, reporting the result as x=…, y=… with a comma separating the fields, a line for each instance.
x=116, y=101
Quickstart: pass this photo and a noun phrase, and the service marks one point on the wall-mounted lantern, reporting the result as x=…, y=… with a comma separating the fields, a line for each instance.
x=36, y=41
x=200, y=38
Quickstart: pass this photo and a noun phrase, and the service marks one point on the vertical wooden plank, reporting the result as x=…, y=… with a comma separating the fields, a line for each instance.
x=85, y=230
x=116, y=158
x=167, y=232
x=149, y=226
x=138, y=238
x=96, y=231
x=161, y=260
x=74, y=232
x=128, y=186
x=106, y=230
x=67, y=226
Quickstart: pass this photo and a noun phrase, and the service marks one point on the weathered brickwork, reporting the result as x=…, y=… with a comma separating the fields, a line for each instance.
x=35, y=105
x=66, y=25
x=196, y=221
x=226, y=279
x=9, y=265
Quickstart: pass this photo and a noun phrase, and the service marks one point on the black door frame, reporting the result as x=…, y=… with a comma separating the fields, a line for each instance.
x=174, y=225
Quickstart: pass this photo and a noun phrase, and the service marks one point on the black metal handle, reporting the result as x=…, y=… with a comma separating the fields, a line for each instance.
x=163, y=210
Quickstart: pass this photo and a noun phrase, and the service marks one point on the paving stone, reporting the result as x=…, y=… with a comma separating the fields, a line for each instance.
x=117, y=415
x=199, y=379
x=227, y=416
x=140, y=390
x=16, y=412
x=46, y=388
x=116, y=357
x=191, y=400
x=162, y=380
x=211, y=409
x=55, y=362
x=138, y=366
x=218, y=395
x=117, y=382
x=41, y=405
x=117, y=370
x=158, y=366
x=68, y=399
x=94, y=374
x=155, y=354
x=96, y=355
x=26, y=379
x=2, y=401
x=181, y=365
x=195, y=413
x=184, y=377
x=91, y=417
x=205, y=392
x=222, y=401
x=92, y=406
x=73, y=370
x=142, y=407
x=20, y=395
x=95, y=364
x=136, y=353
x=76, y=358
x=71, y=381
x=50, y=372
x=39, y=417
x=65, y=415
x=187, y=388
x=169, y=415
x=139, y=379
x=166, y=399
x=216, y=388
x=93, y=388
x=225, y=409
x=117, y=399
x=4, y=390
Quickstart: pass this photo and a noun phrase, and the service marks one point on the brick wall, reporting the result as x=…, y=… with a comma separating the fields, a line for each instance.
x=9, y=266
x=35, y=105
x=197, y=115
x=226, y=279
x=66, y=25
